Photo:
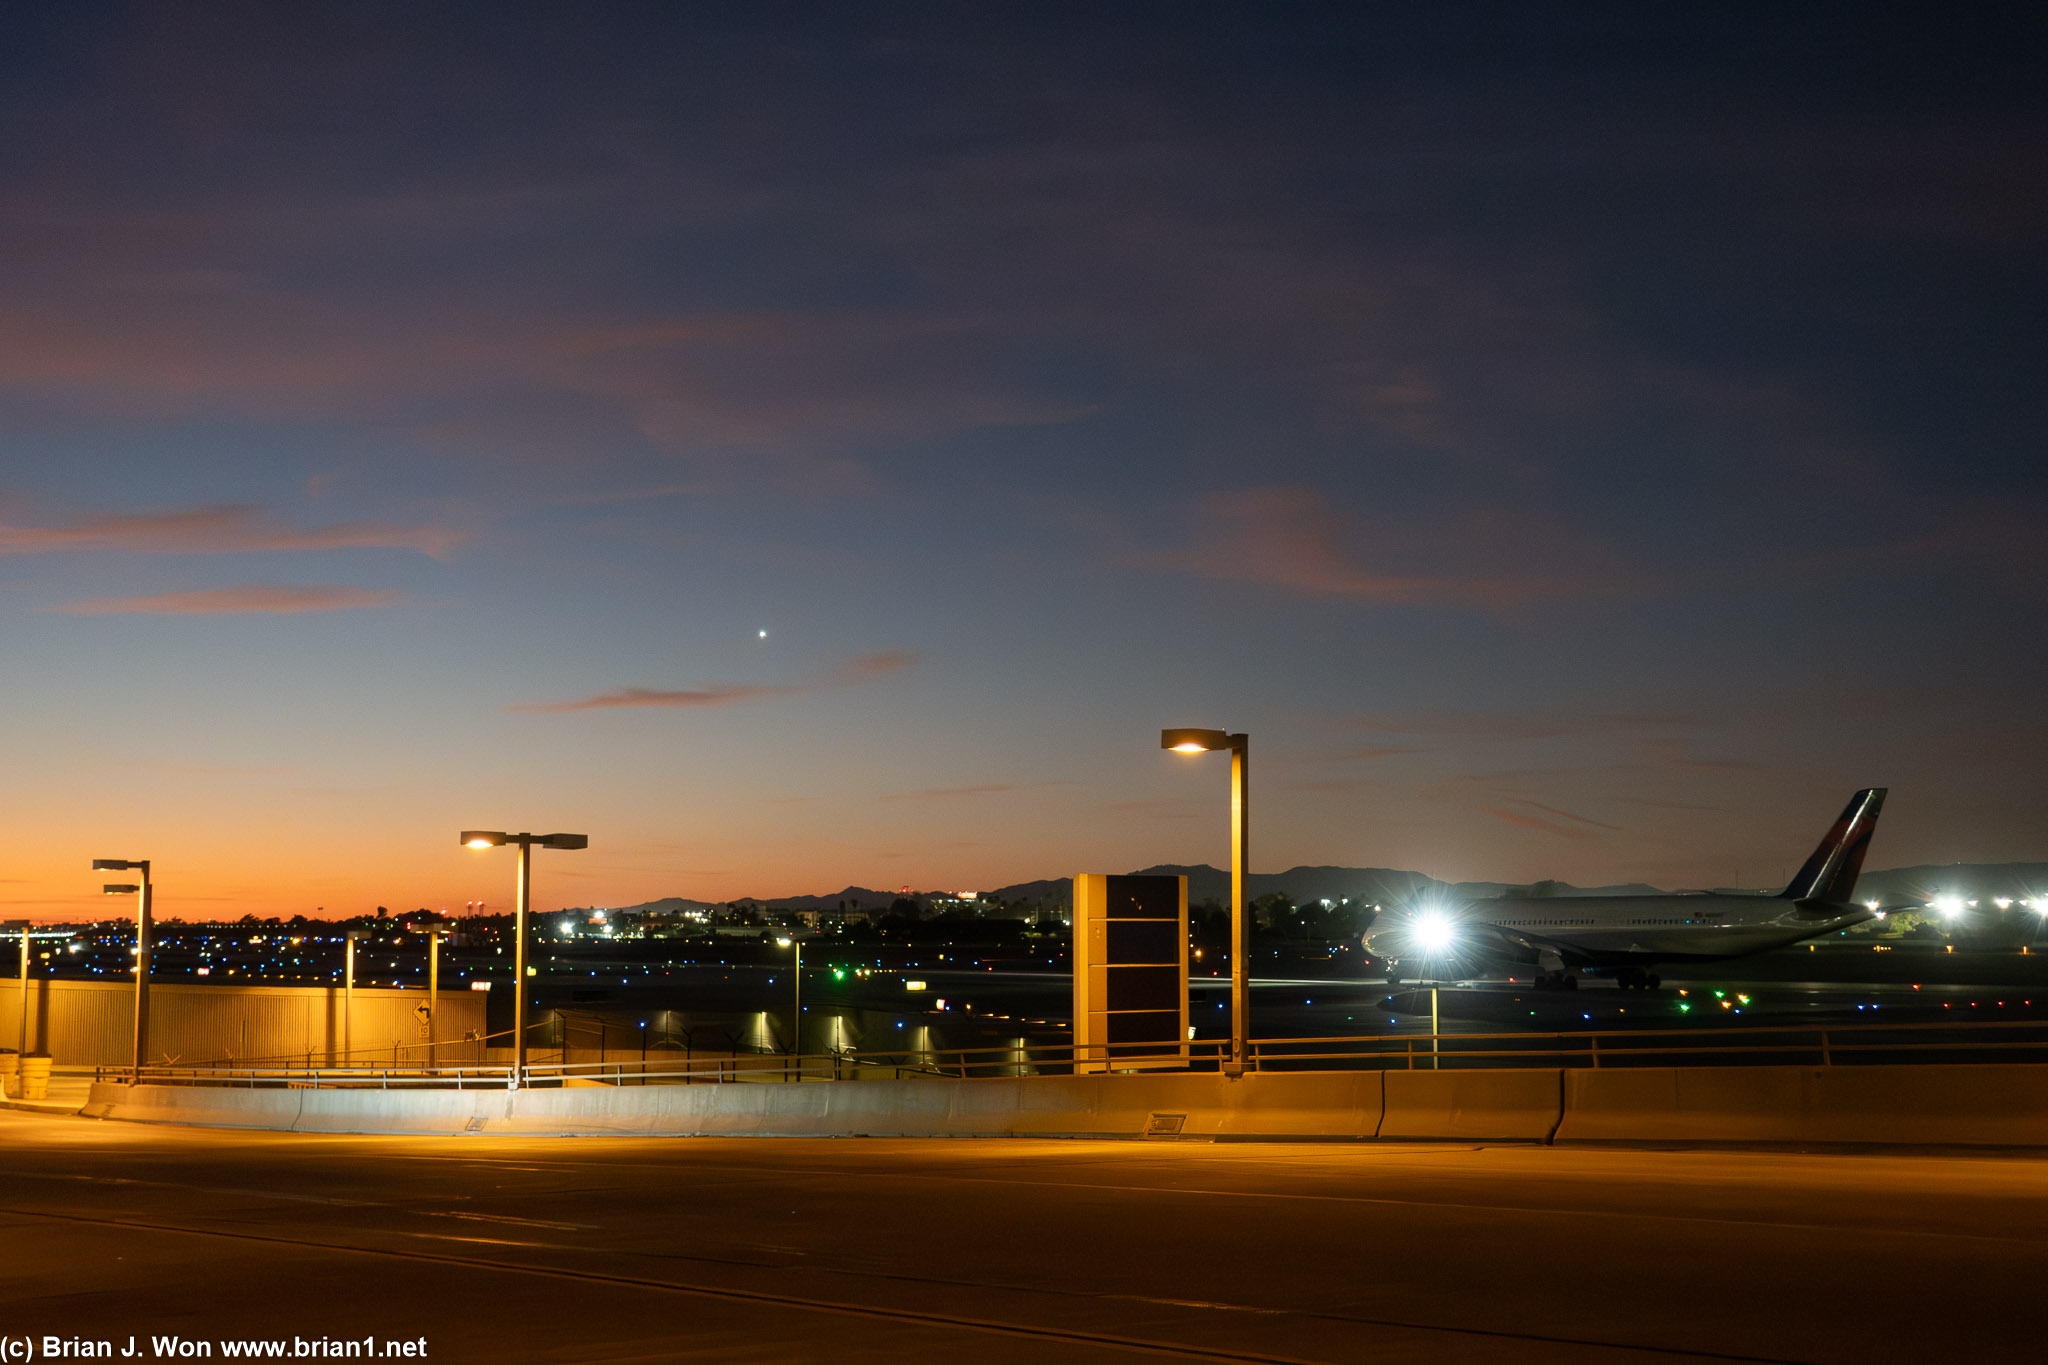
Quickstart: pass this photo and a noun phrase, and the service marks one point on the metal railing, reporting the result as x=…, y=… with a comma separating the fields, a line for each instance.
x=1787, y=1045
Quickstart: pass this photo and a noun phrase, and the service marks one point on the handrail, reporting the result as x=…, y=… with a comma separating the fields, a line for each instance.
x=1806, y=1042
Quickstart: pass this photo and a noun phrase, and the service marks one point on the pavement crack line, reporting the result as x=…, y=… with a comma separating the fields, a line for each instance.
x=910, y=1315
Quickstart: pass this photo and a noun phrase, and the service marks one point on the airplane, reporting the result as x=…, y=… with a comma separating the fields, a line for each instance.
x=1625, y=936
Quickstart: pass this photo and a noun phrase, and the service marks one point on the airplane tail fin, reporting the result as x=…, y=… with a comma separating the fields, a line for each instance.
x=1830, y=874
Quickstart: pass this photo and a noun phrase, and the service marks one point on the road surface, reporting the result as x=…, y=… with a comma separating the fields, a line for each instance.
x=618, y=1250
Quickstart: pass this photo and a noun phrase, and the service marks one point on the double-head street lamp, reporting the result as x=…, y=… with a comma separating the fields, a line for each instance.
x=142, y=927
x=494, y=838
x=1202, y=742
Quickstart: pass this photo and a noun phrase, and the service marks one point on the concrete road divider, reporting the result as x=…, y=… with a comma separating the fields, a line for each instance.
x=1489, y=1106
x=1296, y=1105
x=1920, y=1105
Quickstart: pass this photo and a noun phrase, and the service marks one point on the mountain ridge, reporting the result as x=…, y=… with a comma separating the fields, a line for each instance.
x=1393, y=886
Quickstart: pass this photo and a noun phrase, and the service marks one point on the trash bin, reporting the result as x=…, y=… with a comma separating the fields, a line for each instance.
x=35, y=1077
x=10, y=1075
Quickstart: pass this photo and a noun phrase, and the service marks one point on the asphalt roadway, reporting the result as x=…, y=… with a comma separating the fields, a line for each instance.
x=617, y=1249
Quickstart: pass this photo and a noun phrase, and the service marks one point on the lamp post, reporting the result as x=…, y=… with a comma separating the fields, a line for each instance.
x=22, y=925
x=1206, y=741
x=796, y=999
x=434, y=932
x=142, y=928
x=348, y=996
x=494, y=838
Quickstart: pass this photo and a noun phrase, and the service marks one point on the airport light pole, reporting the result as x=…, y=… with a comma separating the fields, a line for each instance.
x=1205, y=741
x=142, y=945
x=22, y=925
x=796, y=999
x=434, y=932
x=348, y=996
x=495, y=838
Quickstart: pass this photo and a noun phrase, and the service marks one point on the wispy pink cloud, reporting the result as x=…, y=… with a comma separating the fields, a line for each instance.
x=865, y=667
x=1562, y=814
x=1486, y=727
x=1514, y=817
x=647, y=696
x=1290, y=537
x=219, y=530
x=1678, y=754
x=950, y=793
x=249, y=599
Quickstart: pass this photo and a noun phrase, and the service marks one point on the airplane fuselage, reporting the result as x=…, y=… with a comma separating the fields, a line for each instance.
x=1633, y=933
x=1617, y=930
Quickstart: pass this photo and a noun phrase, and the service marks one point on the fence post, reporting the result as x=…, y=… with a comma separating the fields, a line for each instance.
x=1826, y=1057
x=1594, y=1039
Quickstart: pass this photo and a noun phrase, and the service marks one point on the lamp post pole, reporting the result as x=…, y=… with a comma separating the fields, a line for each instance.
x=1240, y=927
x=348, y=999
x=491, y=838
x=22, y=1049
x=433, y=993
x=142, y=935
x=1187, y=741
x=796, y=998
x=525, y=896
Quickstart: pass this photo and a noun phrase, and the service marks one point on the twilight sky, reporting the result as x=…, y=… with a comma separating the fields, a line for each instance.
x=1580, y=442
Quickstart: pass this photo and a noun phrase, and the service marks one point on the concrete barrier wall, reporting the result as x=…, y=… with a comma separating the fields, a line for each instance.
x=1329, y=1105
x=1489, y=1106
x=92, y=1023
x=1939, y=1105
x=1930, y=1105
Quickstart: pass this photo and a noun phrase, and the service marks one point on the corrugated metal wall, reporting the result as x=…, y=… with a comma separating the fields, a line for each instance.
x=92, y=1023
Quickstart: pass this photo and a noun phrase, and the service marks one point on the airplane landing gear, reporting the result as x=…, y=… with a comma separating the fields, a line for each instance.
x=1635, y=979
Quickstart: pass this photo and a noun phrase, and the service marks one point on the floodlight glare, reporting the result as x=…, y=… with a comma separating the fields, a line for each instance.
x=119, y=889
x=1948, y=906
x=1435, y=932
x=483, y=838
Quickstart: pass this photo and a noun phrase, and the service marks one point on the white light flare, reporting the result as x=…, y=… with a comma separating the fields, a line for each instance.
x=1435, y=932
